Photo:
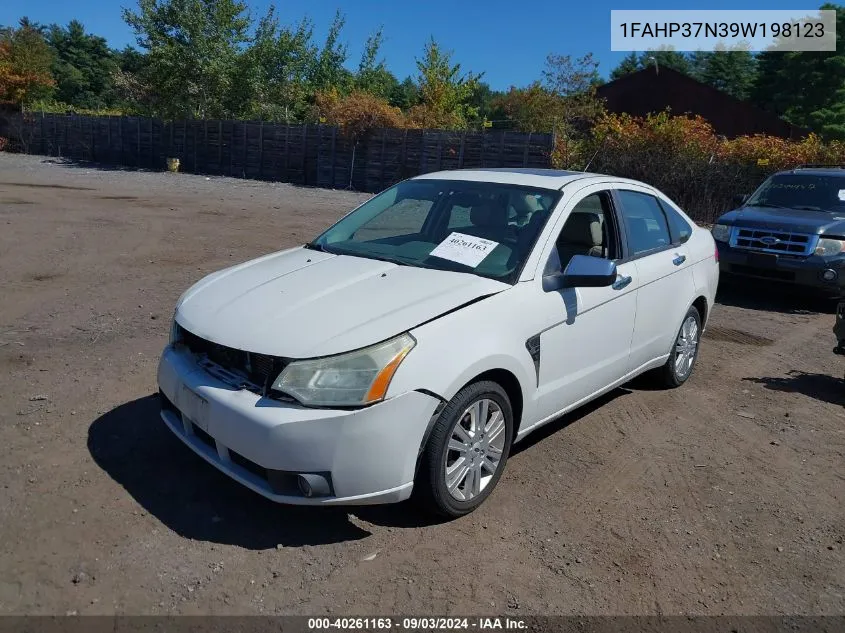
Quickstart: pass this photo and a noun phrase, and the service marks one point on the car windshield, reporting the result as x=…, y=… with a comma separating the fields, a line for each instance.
x=483, y=228
x=801, y=191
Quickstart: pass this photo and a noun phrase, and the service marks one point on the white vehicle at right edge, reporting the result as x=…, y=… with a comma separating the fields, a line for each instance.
x=406, y=349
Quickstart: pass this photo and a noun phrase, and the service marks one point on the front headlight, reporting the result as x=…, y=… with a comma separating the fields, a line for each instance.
x=721, y=232
x=346, y=380
x=828, y=247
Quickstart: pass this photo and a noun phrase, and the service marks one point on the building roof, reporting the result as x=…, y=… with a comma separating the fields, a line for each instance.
x=653, y=90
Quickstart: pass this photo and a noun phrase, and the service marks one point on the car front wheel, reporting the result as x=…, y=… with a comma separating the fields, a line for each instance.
x=467, y=450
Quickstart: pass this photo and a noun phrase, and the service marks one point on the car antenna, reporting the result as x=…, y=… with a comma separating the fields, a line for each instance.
x=596, y=153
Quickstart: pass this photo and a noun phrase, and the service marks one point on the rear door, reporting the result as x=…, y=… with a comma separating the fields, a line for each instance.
x=656, y=240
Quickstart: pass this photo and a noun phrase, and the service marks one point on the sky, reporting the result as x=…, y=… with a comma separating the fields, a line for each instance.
x=507, y=39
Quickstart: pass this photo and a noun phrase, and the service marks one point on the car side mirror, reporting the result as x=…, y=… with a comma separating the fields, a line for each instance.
x=740, y=199
x=582, y=271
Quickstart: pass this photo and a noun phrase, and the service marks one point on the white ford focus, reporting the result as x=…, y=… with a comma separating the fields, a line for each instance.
x=407, y=347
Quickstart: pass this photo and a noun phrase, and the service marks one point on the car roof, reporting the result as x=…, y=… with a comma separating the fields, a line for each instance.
x=541, y=178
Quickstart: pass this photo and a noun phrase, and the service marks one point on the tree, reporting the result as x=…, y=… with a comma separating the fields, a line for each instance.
x=373, y=76
x=328, y=71
x=25, y=64
x=805, y=87
x=666, y=58
x=565, y=76
x=193, y=47
x=271, y=82
x=484, y=99
x=629, y=64
x=83, y=68
x=405, y=95
x=731, y=71
x=445, y=92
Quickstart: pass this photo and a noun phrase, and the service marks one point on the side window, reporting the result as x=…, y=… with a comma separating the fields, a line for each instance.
x=589, y=230
x=681, y=230
x=645, y=222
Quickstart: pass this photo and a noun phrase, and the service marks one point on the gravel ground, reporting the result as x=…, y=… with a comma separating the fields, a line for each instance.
x=722, y=497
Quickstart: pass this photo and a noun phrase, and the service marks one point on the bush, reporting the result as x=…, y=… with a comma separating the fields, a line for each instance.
x=358, y=113
x=683, y=157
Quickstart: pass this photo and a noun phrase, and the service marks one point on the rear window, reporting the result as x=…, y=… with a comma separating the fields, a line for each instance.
x=680, y=228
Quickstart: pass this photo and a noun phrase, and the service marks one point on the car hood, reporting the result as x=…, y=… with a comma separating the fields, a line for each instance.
x=302, y=303
x=796, y=220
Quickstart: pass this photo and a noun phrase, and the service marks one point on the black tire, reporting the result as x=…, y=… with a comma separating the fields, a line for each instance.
x=430, y=484
x=668, y=375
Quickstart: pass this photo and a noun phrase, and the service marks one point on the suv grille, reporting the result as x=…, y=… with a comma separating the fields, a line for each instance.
x=237, y=368
x=769, y=241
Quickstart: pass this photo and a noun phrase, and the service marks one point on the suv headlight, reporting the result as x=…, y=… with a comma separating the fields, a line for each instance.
x=721, y=232
x=345, y=380
x=828, y=247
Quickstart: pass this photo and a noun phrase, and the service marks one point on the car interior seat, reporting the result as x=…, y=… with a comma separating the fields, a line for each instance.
x=581, y=235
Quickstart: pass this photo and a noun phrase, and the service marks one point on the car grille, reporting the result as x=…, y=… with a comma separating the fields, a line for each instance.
x=237, y=368
x=772, y=241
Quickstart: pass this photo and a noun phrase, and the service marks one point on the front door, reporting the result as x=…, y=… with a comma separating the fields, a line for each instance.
x=586, y=343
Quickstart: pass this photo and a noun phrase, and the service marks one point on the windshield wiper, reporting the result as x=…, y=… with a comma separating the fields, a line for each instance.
x=806, y=207
x=763, y=204
x=314, y=246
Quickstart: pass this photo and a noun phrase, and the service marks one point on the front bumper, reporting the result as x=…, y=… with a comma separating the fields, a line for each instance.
x=799, y=271
x=369, y=455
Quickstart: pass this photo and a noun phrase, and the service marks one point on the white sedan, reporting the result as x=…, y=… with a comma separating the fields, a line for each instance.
x=407, y=347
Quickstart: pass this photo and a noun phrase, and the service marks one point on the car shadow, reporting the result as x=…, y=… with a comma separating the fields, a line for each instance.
x=565, y=420
x=770, y=296
x=830, y=389
x=197, y=501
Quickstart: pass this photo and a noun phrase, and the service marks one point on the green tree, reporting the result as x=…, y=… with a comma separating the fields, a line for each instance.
x=806, y=88
x=373, y=76
x=731, y=71
x=328, y=71
x=659, y=58
x=629, y=64
x=666, y=58
x=405, y=95
x=83, y=68
x=193, y=47
x=445, y=92
x=271, y=82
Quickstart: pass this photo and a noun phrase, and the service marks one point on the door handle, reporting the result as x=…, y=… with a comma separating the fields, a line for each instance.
x=680, y=259
x=621, y=282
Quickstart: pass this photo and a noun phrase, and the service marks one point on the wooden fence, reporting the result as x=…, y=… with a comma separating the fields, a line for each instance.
x=315, y=155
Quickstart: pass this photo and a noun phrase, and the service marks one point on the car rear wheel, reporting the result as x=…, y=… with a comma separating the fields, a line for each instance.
x=679, y=366
x=466, y=451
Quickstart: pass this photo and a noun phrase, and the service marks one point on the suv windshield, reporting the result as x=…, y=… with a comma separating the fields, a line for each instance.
x=483, y=228
x=801, y=191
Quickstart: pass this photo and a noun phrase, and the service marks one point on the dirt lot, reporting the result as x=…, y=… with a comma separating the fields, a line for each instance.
x=724, y=496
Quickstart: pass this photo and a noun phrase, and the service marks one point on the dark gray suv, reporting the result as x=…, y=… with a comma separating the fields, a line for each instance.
x=792, y=229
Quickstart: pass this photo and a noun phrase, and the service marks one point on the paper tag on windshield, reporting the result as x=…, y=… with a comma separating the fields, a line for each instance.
x=842, y=194
x=464, y=249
